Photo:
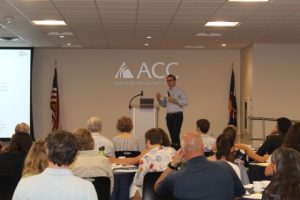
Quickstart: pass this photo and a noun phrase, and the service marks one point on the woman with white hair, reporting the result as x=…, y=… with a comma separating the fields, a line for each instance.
x=94, y=125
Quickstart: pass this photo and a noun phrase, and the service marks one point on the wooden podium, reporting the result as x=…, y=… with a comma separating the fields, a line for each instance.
x=143, y=120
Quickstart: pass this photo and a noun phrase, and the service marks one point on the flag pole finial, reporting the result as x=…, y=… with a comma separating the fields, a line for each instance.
x=232, y=65
x=55, y=64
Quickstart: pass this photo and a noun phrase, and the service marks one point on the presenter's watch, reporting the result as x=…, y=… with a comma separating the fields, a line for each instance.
x=172, y=167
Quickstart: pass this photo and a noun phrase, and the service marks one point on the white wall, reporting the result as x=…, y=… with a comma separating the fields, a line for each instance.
x=246, y=89
x=276, y=80
x=88, y=88
x=270, y=78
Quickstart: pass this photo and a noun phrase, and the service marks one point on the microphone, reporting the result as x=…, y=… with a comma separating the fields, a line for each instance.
x=169, y=94
x=141, y=94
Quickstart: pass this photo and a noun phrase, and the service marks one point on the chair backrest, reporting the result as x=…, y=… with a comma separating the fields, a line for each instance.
x=102, y=186
x=148, y=186
x=208, y=153
x=127, y=153
x=8, y=185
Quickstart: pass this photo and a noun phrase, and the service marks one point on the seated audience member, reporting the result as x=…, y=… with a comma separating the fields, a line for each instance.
x=203, y=126
x=292, y=138
x=13, y=156
x=57, y=181
x=274, y=141
x=89, y=163
x=285, y=183
x=254, y=156
x=94, y=125
x=1, y=145
x=166, y=142
x=199, y=178
x=155, y=160
x=125, y=141
x=22, y=127
x=231, y=131
x=292, y=141
x=36, y=160
x=241, y=157
x=225, y=148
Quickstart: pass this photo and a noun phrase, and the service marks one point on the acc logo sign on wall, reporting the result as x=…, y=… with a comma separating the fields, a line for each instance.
x=149, y=71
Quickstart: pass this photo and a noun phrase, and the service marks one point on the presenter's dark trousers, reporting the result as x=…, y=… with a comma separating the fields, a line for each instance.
x=174, y=122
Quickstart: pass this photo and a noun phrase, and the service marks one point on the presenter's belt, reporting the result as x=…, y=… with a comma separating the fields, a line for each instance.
x=174, y=113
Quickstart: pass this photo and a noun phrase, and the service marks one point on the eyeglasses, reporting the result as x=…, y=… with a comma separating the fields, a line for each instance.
x=170, y=80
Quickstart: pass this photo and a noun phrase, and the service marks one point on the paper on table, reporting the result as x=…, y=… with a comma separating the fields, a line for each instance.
x=261, y=164
x=125, y=170
x=254, y=196
x=118, y=166
x=248, y=186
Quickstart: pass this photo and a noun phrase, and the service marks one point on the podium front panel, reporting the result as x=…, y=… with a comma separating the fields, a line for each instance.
x=143, y=120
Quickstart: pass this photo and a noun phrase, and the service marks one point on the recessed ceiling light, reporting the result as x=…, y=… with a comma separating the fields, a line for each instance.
x=49, y=22
x=149, y=36
x=69, y=44
x=249, y=0
x=146, y=44
x=224, y=45
x=222, y=24
x=208, y=35
x=8, y=19
x=72, y=46
x=61, y=36
x=194, y=47
x=60, y=33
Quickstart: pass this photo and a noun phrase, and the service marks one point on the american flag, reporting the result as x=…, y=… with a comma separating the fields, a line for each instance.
x=54, y=103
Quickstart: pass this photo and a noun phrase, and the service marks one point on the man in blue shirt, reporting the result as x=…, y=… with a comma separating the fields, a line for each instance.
x=199, y=178
x=174, y=101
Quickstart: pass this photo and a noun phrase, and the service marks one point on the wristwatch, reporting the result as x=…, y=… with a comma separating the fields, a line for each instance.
x=172, y=167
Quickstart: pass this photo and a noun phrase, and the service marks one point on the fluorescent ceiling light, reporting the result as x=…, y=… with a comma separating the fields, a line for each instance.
x=194, y=47
x=61, y=33
x=146, y=44
x=49, y=22
x=249, y=0
x=224, y=45
x=149, y=37
x=222, y=24
x=208, y=35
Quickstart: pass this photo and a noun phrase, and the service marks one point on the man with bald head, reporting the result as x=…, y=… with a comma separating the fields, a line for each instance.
x=199, y=178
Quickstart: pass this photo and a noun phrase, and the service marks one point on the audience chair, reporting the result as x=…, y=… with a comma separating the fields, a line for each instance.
x=102, y=186
x=127, y=153
x=8, y=185
x=148, y=187
x=208, y=153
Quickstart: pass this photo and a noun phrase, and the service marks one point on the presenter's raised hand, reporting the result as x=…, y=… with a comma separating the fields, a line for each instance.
x=171, y=99
x=158, y=96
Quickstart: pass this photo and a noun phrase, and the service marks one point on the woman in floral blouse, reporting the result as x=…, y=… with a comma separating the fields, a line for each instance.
x=155, y=160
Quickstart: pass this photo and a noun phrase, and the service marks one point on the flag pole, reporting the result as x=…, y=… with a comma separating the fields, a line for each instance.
x=55, y=64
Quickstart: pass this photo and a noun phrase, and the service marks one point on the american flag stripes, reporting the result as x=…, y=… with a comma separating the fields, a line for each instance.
x=54, y=103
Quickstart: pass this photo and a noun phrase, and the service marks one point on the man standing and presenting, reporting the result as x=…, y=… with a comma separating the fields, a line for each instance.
x=174, y=101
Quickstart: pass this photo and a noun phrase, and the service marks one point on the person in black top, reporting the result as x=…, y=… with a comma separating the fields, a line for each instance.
x=13, y=156
x=199, y=178
x=276, y=138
